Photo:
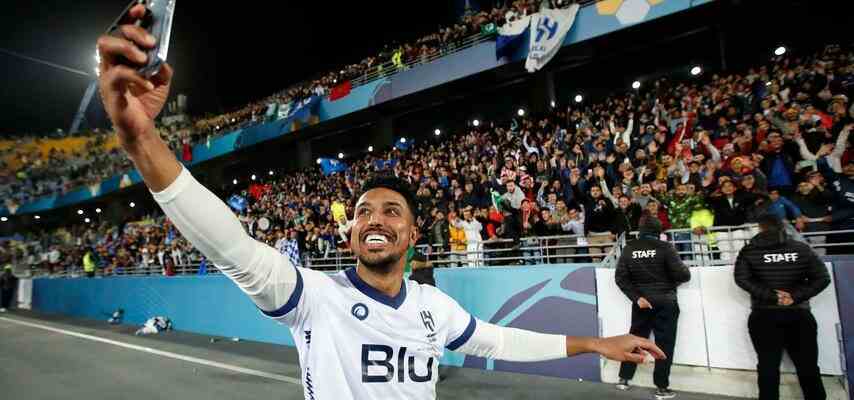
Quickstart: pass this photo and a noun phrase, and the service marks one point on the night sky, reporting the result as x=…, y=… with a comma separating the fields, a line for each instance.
x=224, y=55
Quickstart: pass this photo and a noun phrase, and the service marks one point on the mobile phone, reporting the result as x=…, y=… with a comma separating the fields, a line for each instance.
x=158, y=22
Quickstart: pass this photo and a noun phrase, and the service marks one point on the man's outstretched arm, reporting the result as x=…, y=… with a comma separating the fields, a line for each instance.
x=132, y=103
x=512, y=344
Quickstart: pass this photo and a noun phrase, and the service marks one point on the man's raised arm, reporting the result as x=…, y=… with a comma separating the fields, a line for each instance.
x=132, y=103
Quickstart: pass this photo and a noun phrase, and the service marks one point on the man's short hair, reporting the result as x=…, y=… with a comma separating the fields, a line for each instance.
x=394, y=184
x=769, y=223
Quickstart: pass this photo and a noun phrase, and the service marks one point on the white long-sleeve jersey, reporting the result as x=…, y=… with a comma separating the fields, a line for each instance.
x=354, y=342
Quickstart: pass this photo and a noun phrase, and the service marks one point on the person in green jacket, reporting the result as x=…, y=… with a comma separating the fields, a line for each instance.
x=89, y=263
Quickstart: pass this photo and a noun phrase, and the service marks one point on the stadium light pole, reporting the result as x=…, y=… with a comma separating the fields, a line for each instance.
x=579, y=98
x=696, y=70
x=636, y=85
x=475, y=122
x=779, y=51
x=437, y=132
x=340, y=156
x=90, y=90
x=370, y=149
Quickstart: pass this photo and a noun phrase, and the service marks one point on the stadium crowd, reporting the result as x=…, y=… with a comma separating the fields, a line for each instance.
x=62, y=171
x=707, y=151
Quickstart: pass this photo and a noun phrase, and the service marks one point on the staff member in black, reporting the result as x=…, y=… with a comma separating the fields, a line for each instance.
x=648, y=273
x=781, y=276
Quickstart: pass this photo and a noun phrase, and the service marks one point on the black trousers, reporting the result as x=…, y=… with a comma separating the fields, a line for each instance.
x=794, y=330
x=662, y=320
x=6, y=297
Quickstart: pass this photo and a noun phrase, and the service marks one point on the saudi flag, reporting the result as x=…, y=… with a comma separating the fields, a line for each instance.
x=497, y=200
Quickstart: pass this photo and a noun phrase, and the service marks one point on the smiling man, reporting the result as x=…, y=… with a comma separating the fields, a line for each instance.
x=362, y=333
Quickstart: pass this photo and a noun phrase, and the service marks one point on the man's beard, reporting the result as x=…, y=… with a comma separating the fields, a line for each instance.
x=383, y=265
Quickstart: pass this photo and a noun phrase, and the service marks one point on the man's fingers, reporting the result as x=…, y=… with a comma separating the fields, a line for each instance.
x=138, y=36
x=110, y=48
x=121, y=77
x=137, y=11
x=649, y=346
x=163, y=76
x=634, y=358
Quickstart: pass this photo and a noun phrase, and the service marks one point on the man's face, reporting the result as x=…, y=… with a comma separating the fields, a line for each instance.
x=511, y=187
x=774, y=195
x=681, y=191
x=645, y=189
x=667, y=159
x=805, y=188
x=624, y=202
x=728, y=188
x=775, y=141
x=848, y=170
x=628, y=174
x=595, y=192
x=383, y=231
x=694, y=167
x=552, y=198
x=652, y=207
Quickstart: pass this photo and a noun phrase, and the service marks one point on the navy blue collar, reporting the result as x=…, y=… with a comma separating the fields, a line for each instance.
x=370, y=291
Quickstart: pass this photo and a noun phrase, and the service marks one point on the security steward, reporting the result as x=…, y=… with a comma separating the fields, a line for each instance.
x=648, y=272
x=781, y=276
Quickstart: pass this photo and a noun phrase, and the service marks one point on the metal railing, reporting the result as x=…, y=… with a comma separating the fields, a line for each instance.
x=716, y=247
x=719, y=246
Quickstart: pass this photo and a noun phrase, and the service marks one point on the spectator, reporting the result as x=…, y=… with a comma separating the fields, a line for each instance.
x=8, y=286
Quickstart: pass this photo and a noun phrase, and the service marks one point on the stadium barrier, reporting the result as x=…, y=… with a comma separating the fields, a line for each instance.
x=718, y=246
x=573, y=299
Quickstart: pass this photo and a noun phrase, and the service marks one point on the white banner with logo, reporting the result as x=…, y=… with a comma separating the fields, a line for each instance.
x=548, y=29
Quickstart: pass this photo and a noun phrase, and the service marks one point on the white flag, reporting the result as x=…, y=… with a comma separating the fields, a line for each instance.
x=548, y=29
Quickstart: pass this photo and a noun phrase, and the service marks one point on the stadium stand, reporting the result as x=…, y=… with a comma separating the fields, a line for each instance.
x=702, y=153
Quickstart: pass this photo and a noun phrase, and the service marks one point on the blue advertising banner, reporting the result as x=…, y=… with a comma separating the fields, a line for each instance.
x=553, y=299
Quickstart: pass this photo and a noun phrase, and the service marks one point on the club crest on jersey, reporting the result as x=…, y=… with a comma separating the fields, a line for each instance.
x=427, y=319
x=360, y=311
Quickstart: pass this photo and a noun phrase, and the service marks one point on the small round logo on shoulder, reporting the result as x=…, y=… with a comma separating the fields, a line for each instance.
x=360, y=311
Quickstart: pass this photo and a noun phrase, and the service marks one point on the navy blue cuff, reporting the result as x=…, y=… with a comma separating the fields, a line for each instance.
x=292, y=301
x=458, y=342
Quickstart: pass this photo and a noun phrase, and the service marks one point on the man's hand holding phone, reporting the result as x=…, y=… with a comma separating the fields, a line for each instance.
x=131, y=100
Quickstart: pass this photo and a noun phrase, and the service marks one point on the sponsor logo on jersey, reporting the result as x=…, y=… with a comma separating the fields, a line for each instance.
x=780, y=257
x=643, y=254
x=360, y=311
x=379, y=366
